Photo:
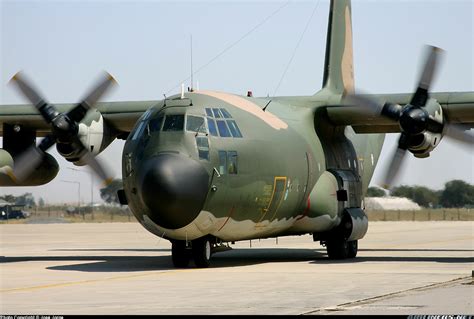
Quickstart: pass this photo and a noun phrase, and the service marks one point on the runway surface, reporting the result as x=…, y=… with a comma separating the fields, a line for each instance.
x=119, y=268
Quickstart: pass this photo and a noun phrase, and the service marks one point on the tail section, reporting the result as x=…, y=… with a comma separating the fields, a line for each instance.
x=338, y=66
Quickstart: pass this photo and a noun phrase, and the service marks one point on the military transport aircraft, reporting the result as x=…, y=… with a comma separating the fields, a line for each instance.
x=205, y=168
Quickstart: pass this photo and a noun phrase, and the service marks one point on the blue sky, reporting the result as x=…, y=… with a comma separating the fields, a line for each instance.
x=145, y=45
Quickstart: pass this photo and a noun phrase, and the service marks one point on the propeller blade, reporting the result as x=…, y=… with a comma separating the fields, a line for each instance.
x=27, y=88
x=434, y=126
x=371, y=107
x=459, y=134
x=30, y=159
x=88, y=158
x=47, y=142
x=103, y=84
x=98, y=168
x=397, y=161
x=421, y=95
x=366, y=104
x=64, y=128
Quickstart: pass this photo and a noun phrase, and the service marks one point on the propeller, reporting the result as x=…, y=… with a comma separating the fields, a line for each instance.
x=413, y=118
x=64, y=128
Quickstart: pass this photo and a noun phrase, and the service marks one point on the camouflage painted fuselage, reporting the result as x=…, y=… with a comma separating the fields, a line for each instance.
x=281, y=185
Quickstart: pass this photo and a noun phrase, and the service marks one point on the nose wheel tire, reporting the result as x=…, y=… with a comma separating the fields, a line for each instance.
x=341, y=249
x=180, y=254
x=202, y=252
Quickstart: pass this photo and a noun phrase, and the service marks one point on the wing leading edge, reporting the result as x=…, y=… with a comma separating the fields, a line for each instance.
x=458, y=108
x=122, y=116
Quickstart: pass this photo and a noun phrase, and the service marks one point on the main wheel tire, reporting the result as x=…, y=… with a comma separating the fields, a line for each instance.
x=179, y=254
x=337, y=249
x=352, y=247
x=202, y=252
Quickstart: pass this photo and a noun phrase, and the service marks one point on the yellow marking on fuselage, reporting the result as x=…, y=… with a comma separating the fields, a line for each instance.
x=271, y=199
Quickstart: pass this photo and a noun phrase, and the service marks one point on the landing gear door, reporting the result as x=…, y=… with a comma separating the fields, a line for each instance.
x=350, y=190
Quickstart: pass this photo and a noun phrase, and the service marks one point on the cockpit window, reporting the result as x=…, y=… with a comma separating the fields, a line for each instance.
x=139, y=128
x=202, y=143
x=226, y=114
x=223, y=130
x=232, y=162
x=234, y=129
x=228, y=128
x=155, y=124
x=212, y=126
x=216, y=113
x=174, y=123
x=209, y=112
x=195, y=124
x=138, y=131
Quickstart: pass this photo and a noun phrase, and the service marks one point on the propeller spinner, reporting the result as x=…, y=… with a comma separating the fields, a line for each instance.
x=64, y=128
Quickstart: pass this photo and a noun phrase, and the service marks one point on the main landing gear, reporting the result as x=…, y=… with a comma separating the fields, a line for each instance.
x=341, y=241
x=199, y=250
x=341, y=248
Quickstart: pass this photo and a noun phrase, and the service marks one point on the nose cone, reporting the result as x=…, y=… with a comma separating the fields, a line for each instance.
x=174, y=189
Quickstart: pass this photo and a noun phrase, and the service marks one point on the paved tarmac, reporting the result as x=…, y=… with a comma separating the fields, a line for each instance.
x=119, y=268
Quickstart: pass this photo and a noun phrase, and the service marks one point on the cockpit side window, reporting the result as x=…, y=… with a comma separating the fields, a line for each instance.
x=232, y=162
x=139, y=128
x=155, y=124
x=222, y=162
x=195, y=124
x=228, y=162
x=202, y=143
x=173, y=123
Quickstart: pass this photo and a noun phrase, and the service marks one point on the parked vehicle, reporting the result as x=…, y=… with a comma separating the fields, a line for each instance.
x=12, y=211
x=13, y=214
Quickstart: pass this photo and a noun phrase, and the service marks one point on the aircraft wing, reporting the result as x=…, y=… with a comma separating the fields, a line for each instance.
x=458, y=108
x=122, y=116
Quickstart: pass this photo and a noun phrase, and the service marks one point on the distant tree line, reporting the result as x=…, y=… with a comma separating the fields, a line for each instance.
x=456, y=194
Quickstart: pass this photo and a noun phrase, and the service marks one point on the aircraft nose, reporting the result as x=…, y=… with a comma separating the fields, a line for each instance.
x=174, y=188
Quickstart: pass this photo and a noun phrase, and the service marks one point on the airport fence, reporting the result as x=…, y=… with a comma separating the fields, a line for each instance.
x=103, y=214
x=85, y=214
x=454, y=214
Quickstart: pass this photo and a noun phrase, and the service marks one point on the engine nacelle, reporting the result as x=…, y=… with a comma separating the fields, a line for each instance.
x=428, y=141
x=425, y=142
x=43, y=174
x=94, y=133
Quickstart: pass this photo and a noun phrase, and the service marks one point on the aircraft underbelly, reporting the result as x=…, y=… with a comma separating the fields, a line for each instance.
x=228, y=229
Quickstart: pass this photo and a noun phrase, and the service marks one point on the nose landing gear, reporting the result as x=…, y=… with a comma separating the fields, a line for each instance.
x=200, y=250
x=180, y=254
x=341, y=249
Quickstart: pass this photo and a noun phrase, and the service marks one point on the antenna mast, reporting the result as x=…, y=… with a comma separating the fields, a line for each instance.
x=192, y=63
